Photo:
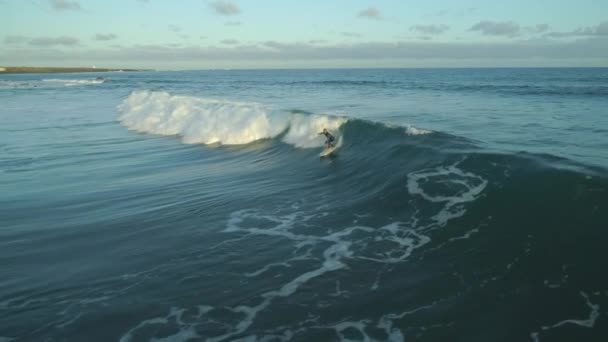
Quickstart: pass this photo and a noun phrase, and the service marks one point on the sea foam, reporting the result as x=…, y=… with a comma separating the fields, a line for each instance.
x=207, y=121
x=74, y=82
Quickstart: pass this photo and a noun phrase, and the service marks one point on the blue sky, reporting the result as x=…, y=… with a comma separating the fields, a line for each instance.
x=202, y=34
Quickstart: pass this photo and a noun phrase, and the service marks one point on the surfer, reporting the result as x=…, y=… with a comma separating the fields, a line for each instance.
x=330, y=138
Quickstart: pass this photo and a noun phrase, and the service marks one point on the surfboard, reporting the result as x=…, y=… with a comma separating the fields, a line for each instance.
x=326, y=152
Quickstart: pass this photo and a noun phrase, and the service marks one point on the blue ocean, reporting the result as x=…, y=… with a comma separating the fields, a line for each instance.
x=459, y=205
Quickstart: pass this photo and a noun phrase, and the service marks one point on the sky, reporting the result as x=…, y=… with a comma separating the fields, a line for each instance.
x=210, y=34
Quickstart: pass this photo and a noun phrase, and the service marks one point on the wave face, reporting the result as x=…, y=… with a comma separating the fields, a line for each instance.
x=403, y=209
x=205, y=121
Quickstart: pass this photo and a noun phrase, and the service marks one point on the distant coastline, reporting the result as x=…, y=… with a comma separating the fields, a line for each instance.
x=52, y=70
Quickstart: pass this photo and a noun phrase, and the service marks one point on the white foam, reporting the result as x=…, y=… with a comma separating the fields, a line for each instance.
x=404, y=241
x=334, y=257
x=385, y=323
x=340, y=249
x=7, y=84
x=587, y=323
x=184, y=333
x=207, y=121
x=304, y=129
x=472, y=185
x=358, y=326
x=411, y=130
x=467, y=235
x=74, y=82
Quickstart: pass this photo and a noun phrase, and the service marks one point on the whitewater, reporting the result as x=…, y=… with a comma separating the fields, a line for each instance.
x=207, y=121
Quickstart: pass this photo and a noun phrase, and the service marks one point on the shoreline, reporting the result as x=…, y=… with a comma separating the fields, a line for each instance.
x=56, y=70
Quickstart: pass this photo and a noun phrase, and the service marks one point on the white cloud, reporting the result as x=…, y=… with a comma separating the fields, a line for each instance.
x=599, y=30
x=49, y=41
x=430, y=29
x=496, y=28
x=15, y=40
x=539, y=28
x=351, y=34
x=225, y=7
x=174, y=28
x=370, y=13
x=104, y=37
x=229, y=42
x=581, y=51
x=602, y=29
x=419, y=50
x=64, y=5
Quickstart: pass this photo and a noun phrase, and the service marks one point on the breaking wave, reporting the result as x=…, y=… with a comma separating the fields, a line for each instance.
x=207, y=121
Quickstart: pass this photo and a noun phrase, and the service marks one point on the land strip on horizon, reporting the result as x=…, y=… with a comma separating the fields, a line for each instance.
x=50, y=70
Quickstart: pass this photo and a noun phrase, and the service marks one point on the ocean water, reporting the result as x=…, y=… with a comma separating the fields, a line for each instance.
x=461, y=205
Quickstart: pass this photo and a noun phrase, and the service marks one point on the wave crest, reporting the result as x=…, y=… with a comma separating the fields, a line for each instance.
x=208, y=121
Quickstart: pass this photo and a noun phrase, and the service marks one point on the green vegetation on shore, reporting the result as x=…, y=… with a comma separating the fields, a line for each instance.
x=36, y=70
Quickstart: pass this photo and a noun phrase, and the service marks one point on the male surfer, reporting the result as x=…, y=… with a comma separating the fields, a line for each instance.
x=330, y=138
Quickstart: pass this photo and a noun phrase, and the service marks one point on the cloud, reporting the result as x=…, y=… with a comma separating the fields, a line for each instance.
x=495, y=28
x=229, y=42
x=317, y=41
x=590, y=31
x=370, y=13
x=48, y=41
x=273, y=44
x=15, y=40
x=225, y=7
x=430, y=29
x=104, y=37
x=65, y=5
x=174, y=28
x=602, y=29
x=418, y=50
x=539, y=28
x=591, y=51
x=351, y=34
x=233, y=23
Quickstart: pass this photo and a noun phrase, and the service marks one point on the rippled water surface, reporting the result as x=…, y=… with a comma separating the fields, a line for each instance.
x=465, y=204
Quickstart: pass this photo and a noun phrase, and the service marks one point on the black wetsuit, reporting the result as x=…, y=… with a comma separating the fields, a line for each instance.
x=330, y=138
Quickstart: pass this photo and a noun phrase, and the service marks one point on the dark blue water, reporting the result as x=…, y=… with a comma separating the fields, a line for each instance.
x=465, y=204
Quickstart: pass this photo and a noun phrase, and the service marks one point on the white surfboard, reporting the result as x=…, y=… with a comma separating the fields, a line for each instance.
x=326, y=152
